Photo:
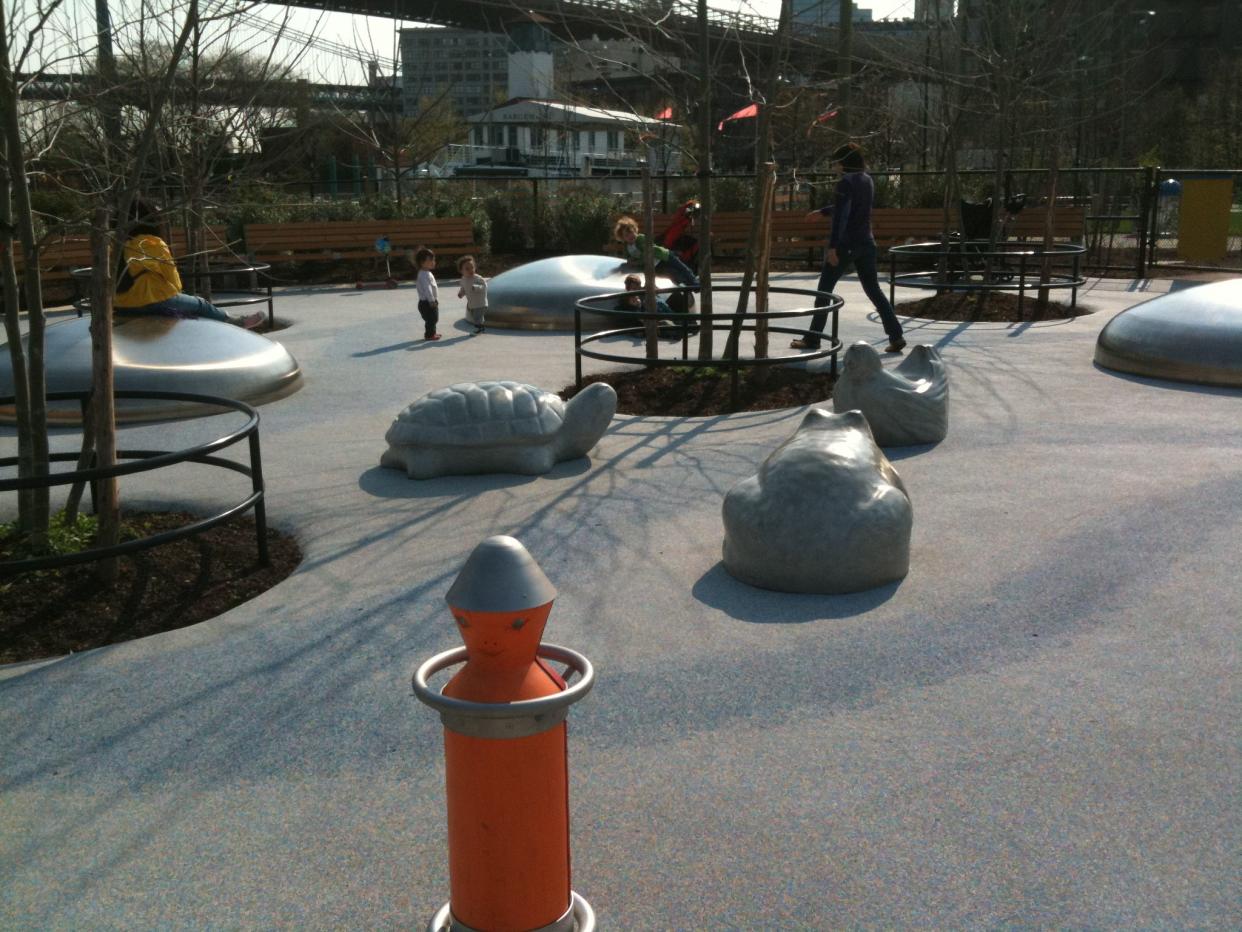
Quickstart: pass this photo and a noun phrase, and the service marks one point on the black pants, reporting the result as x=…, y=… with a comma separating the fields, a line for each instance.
x=863, y=258
x=429, y=311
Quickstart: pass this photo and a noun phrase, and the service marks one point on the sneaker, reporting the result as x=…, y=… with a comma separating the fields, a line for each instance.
x=251, y=321
x=803, y=344
x=895, y=346
x=432, y=336
x=478, y=329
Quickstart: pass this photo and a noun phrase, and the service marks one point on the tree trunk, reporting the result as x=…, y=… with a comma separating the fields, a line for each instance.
x=17, y=353
x=86, y=455
x=765, y=254
x=757, y=245
x=651, y=325
x=23, y=217
x=196, y=223
x=102, y=401
x=845, y=55
x=1045, y=266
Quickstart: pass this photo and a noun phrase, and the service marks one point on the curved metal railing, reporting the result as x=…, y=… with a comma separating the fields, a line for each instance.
x=147, y=460
x=973, y=265
x=830, y=343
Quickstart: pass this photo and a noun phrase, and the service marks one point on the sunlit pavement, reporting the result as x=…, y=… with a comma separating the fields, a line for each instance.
x=1037, y=727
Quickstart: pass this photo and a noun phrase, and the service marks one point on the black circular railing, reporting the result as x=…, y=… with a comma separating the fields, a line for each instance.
x=686, y=323
x=975, y=265
x=240, y=297
x=147, y=460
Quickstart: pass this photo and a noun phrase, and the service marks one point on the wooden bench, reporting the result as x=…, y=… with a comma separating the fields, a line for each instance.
x=60, y=254
x=327, y=242
x=794, y=235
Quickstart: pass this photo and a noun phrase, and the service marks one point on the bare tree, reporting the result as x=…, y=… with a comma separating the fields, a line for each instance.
x=143, y=123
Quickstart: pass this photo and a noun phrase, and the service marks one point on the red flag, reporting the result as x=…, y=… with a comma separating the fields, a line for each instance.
x=665, y=114
x=822, y=118
x=745, y=113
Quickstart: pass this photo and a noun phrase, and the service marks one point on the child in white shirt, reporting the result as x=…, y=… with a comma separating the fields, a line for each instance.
x=474, y=289
x=428, y=292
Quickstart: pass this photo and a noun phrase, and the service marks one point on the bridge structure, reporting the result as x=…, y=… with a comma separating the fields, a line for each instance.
x=671, y=26
x=275, y=94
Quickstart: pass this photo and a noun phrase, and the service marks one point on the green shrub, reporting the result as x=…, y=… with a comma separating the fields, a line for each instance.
x=733, y=194
x=580, y=218
x=509, y=213
x=62, y=537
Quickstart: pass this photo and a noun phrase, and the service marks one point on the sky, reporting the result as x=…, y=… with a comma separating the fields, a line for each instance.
x=342, y=43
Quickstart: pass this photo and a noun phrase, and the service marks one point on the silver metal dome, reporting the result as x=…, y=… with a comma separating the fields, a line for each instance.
x=156, y=353
x=1193, y=335
x=541, y=295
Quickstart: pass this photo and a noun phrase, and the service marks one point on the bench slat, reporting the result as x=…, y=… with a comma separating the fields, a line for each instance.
x=60, y=255
x=450, y=236
x=793, y=234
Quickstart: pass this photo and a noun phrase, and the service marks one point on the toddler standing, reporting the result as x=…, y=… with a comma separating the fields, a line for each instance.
x=428, y=293
x=473, y=288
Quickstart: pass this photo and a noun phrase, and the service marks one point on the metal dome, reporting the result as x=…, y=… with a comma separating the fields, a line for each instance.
x=157, y=353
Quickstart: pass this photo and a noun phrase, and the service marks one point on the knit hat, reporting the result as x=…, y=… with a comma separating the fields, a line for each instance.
x=850, y=156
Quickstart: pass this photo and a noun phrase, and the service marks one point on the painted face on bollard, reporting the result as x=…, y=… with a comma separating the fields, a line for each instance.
x=502, y=640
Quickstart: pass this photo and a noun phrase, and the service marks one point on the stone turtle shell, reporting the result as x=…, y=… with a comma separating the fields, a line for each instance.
x=478, y=413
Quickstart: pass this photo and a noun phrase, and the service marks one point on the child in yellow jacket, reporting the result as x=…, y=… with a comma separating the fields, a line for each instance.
x=148, y=282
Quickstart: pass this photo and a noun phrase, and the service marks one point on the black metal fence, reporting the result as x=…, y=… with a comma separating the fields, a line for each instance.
x=1132, y=219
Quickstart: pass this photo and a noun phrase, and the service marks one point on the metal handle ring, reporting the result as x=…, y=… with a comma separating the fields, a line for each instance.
x=503, y=719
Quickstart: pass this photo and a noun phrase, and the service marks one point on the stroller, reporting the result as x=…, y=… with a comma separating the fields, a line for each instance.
x=976, y=230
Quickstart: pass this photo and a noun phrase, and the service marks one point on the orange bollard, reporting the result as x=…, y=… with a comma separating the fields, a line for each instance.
x=506, y=766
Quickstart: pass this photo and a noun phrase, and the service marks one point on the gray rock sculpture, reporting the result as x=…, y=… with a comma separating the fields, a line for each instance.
x=903, y=406
x=486, y=427
x=827, y=513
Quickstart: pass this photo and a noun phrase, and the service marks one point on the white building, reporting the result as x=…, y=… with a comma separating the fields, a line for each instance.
x=548, y=138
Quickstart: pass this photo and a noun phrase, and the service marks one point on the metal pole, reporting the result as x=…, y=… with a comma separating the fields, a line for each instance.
x=705, y=186
x=926, y=103
x=578, y=347
x=844, y=53
x=1145, y=199
x=256, y=483
x=107, y=70
x=1021, y=281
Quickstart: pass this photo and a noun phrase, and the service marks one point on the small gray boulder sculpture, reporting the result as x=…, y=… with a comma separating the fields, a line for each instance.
x=827, y=513
x=485, y=427
x=904, y=406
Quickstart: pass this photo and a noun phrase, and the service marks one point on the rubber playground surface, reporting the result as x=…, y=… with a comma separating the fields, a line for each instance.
x=1038, y=726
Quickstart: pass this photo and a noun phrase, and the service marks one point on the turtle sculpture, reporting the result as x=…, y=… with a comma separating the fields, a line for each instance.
x=506, y=427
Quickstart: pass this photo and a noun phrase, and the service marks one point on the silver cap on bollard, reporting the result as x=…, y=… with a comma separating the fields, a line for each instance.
x=500, y=576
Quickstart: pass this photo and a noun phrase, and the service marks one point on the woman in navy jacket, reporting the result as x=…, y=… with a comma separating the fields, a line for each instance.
x=852, y=243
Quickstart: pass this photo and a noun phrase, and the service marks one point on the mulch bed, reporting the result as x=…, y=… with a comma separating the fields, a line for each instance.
x=682, y=391
x=999, y=307
x=56, y=612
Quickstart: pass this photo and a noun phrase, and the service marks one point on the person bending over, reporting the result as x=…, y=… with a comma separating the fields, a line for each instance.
x=632, y=242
